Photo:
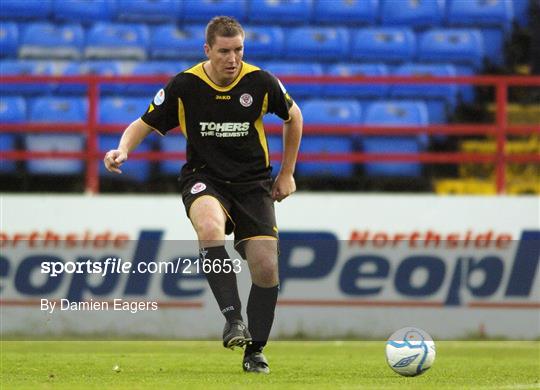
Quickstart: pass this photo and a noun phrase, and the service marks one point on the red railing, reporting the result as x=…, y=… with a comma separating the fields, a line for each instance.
x=500, y=129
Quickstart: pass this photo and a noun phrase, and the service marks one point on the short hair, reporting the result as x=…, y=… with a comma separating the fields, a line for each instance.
x=222, y=26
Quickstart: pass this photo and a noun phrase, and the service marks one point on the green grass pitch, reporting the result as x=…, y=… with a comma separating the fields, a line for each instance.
x=295, y=365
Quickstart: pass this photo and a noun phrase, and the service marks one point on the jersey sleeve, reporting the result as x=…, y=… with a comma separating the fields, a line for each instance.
x=279, y=101
x=162, y=113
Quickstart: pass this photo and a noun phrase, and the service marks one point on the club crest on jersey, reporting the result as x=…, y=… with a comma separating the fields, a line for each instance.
x=160, y=97
x=246, y=100
x=198, y=187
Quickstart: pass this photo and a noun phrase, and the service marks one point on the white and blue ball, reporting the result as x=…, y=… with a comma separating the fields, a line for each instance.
x=410, y=351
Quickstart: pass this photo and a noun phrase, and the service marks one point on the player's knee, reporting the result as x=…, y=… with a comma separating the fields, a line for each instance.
x=210, y=229
x=266, y=274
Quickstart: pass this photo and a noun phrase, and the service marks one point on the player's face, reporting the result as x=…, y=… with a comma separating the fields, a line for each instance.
x=225, y=57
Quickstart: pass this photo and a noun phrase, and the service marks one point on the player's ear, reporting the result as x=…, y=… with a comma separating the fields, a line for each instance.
x=206, y=49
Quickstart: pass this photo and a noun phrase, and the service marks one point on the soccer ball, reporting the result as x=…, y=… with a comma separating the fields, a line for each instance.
x=410, y=351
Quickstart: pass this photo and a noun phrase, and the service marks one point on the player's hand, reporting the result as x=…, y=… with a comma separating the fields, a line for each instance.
x=114, y=159
x=284, y=185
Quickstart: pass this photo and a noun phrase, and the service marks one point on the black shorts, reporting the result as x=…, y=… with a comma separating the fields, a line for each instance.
x=249, y=206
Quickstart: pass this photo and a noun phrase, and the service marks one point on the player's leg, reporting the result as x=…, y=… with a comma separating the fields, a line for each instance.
x=208, y=218
x=262, y=256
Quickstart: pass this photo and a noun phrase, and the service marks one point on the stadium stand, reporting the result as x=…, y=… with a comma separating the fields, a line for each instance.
x=65, y=110
x=174, y=143
x=458, y=46
x=117, y=110
x=317, y=43
x=149, y=11
x=47, y=40
x=12, y=110
x=203, y=10
x=360, y=91
x=415, y=14
x=263, y=42
x=85, y=11
x=300, y=69
x=336, y=112
x=346, y=12
x=26, y=10
x=103, y=68
x=285, y=37
x=439, y=100
x=388, y=44
x=405, y=113
x=9, y=39
x=173, y=42
x=280, y=11
x=115, y=40
x=162, y=68
x=10, y=67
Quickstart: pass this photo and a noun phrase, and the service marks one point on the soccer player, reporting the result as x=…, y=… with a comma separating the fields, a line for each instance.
x=226, y=184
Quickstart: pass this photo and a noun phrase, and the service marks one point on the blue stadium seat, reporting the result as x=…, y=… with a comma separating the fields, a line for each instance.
x=384, y=44
x=172, y=42
x=448, y=92
x=346, y=11
x=155, y=68
x=337, y=112
x=22, y=68
x=330, y=112
x=47, y=40
x=275, y=145
x=326, y=144
x=317, y=43
x=24, y=10
x=357, y=90
x=172, y=143
x=458, y=46
x=54, y=142
x=521, y=12
x=149, y=11
x=67, y=110
x=8, y=143
x=56, y=109
x=297, y=69
x=478, y=13
x=263, y=42
x=405, y=113
x=280, y=11
x=84, y=11
x=9, y=39
x=117, y=110
x=493, y=18
x=124, y=111
x=120, y=41
x=102, y=68
x=204, y=10
x=136, y=170
x=12, y=109
x=413, y=13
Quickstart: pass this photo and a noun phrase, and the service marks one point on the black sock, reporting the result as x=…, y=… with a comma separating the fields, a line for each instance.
x=223, y=283
x=260, y=312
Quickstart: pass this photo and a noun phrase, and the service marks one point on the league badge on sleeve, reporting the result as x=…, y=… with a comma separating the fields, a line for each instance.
x=160, y=97
x=198, y=187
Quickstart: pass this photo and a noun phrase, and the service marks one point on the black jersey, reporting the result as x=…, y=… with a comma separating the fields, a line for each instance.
x=223, y=125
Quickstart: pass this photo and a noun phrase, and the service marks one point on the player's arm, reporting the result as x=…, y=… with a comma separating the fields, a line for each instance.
x=284, y=184
x=132, y=137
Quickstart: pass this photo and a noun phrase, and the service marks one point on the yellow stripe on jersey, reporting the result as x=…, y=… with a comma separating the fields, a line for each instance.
x=198, y=70
x=260, y=129
x=182, y=117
